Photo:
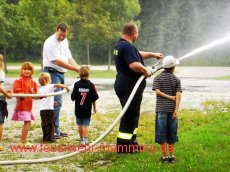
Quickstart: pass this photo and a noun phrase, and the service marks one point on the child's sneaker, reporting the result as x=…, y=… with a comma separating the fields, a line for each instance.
x=85, y=143
x=1, y=148
x=164, y=159
x=82, y=144
x=27, y=145
x=56, y=136
x=172, y=159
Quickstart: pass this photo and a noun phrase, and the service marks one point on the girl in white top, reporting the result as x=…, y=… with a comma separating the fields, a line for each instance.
x=3, y=96
x=47, y=106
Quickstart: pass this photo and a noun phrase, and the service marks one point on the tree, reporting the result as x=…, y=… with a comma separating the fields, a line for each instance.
x=9, y=20
x=101, y=21
x=43, y=16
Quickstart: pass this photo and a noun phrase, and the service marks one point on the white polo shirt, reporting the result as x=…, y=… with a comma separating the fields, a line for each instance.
x=54, y=49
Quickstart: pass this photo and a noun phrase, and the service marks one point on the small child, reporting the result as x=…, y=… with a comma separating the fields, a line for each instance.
x=3, y=104
x=47, y=106
x=84, y=94
x=25, y=85
x=168, y=94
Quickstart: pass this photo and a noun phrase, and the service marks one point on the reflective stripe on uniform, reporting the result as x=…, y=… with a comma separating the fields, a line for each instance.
x=126, y=136
x=135, y=131
x=115, y=52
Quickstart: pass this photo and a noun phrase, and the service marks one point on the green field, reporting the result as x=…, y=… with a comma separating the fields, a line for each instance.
x=203, y=144
x=227, y=77
x=93, y=74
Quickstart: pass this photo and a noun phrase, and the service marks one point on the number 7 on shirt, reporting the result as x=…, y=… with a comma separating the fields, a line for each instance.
x=83, y=98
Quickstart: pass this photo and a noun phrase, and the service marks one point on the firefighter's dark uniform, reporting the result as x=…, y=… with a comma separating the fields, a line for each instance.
x=124, y=54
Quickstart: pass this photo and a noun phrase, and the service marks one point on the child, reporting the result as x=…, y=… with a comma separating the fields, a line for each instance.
x=26, y=85
x=3, y=104
x=84, y=94
x=47, y=106
x=168, y=93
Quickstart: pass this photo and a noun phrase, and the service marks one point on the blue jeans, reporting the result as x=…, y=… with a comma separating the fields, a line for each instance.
x=57, y=78
x=166, y=128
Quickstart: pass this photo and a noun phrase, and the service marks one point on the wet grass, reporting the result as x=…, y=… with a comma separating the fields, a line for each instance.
x=203, y=144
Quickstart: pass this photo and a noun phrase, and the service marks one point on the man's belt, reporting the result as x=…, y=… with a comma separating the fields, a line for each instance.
x=52, y=70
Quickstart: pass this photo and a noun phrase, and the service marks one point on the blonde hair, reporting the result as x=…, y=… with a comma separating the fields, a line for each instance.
x=27, y=65
x=2, y=65
x=84, y=72
x=44, y=78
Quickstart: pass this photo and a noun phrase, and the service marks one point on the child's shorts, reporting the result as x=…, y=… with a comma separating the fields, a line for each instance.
x=83, y=121
x=3, y=111
x=2, y=117
x=166, y=128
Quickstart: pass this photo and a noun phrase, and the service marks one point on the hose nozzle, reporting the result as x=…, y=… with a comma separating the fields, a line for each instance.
x=155, y=67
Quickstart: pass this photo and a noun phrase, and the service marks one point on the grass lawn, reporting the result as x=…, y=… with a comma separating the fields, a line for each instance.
x=93, y=74
x=203, y=144
x=227, y=77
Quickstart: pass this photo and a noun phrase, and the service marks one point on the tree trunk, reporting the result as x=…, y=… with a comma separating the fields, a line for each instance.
x=5, y=58
x=109, y=58
x=41, y=57
x=88, y=59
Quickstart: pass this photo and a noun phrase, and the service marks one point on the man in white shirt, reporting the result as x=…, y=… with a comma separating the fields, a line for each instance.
x=57, y=59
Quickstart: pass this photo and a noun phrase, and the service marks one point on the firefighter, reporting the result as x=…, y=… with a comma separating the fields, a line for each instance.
x=130, y=66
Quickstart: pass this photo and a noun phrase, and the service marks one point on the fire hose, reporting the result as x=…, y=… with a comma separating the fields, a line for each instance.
x=42, y=160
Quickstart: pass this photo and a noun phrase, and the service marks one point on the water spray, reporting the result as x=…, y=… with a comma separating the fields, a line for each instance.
x=206, y=47
x=203, y=48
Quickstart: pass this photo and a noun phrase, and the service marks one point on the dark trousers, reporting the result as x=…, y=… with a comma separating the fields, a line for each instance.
x=47, y=124
x=129, y=122
x=57, y=78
